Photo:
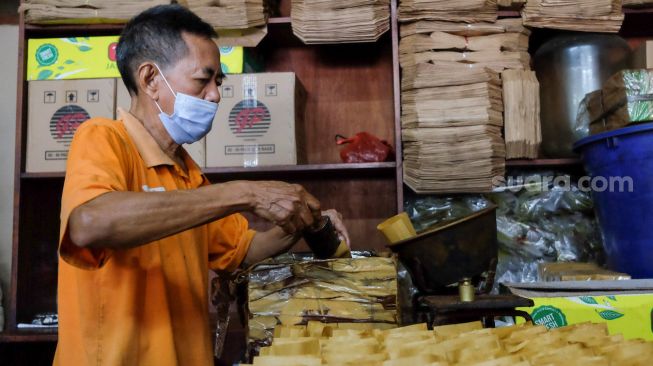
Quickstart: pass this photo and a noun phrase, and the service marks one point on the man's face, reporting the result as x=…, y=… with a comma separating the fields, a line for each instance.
x=198, y=74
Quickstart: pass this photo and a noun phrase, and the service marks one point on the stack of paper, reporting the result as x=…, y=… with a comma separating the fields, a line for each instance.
x=521, y=96
x=461, y=11
x=451, y=129
x=229, y=14
x=340, y=21
x=498, y=46
x=577, y=15
x=84, y=11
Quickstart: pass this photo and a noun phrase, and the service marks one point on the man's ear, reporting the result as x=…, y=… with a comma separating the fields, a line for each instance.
x=146, y=78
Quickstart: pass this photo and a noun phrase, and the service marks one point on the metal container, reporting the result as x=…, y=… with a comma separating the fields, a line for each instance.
x=568, y=67
x=447, y=254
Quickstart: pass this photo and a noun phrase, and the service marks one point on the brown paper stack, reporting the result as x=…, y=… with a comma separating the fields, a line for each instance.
x=521, y=97
x=469, y=11
x=340, y=21
x=498, y=46
x=451, y=129
x=84, y=11
x=577, y=15
x=228, y=14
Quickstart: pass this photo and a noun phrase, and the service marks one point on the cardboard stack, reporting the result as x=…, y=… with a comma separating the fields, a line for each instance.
x=452, y=103
x=84, y=11
x=342, y=21
x=521, y=99
x=229, y=14
x=451, y=129
x=498, y=46
x=469, y=11
x=581, y=15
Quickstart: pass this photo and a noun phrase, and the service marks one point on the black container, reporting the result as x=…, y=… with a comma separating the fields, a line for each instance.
x=322, y=238
x=464, y=248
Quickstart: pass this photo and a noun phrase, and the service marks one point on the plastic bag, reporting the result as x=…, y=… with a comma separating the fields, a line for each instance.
x=427, y=211
x=364, y=148
x=549, y=224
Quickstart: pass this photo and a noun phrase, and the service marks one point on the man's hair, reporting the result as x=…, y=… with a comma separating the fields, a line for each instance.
x=155, y=35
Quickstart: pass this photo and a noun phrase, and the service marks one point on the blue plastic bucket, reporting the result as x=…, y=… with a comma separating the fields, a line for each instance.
x=620, y=164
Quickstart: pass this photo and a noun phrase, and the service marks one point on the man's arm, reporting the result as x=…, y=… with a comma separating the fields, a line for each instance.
x=266, y=244
x=128, y=219
x=275, y=241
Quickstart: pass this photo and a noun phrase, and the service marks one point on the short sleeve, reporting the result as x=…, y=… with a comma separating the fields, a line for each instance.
x=97, y=164
x=229, y=240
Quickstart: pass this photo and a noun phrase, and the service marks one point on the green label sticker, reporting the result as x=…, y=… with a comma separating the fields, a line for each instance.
x=47, y=55
x=549, y=316
x=225, y=50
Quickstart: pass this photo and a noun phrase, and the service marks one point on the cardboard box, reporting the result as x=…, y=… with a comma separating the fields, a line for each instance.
x=72, y=58
x=55, y=109
x=123, y=100
x=92, y=58
x=624, y=305
x=231, y=59
x=643, y=56
x=259, y=122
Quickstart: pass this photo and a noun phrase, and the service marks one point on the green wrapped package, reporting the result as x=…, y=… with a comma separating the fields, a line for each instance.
x=627, y=98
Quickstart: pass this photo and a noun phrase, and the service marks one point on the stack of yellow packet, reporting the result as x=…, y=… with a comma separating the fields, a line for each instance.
x=460, y=344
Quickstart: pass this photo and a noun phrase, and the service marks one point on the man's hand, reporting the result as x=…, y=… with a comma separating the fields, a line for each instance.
x=286, y=205
x=336, y=219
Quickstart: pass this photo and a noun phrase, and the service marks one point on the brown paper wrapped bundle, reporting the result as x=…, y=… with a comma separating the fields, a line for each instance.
x=521, y=100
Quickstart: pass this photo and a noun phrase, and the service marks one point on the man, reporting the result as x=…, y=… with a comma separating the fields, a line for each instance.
x=140, y=224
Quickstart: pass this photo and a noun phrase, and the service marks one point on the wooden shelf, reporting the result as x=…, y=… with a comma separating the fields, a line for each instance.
x=280, y=20
x=55, y=30
x=509, y=14
x=29, y=335
x=306, y=169
x=543, y=162
x=637, y=11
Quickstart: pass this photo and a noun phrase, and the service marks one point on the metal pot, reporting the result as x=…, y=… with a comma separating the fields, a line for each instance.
x=568, y=67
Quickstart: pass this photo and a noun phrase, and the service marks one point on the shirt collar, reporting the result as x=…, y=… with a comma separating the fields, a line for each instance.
x=145, y=144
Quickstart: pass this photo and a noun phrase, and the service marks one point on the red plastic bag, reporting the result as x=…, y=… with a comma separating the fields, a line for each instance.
x=364, y=148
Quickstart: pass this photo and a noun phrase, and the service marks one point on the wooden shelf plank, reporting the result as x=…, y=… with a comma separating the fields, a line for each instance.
x=300, y=169
x=31, y=335
x=509, y=14
x=52, y=30
x=280, y=20
x=637, y=10
x=322, y=168
x=543, y=162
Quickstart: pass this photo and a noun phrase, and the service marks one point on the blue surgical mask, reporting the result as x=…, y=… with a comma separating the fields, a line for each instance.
x=191, y=119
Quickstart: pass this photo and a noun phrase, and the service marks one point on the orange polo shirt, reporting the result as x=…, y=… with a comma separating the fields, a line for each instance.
x=147, y=305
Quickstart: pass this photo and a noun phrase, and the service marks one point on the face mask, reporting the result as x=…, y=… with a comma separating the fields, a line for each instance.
x=192, y=117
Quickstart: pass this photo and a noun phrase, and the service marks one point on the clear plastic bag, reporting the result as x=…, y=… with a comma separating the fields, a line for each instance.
x=427, y=211
x=549, y=223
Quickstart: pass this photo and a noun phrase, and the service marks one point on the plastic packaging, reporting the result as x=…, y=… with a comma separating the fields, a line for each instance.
x=293, y=289
x=364, y=148
x=427, y=211
x=551, y=223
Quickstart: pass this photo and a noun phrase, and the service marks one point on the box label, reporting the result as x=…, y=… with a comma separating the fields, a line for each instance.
x=94, y=57
x=630, y=315
x=249, y=149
